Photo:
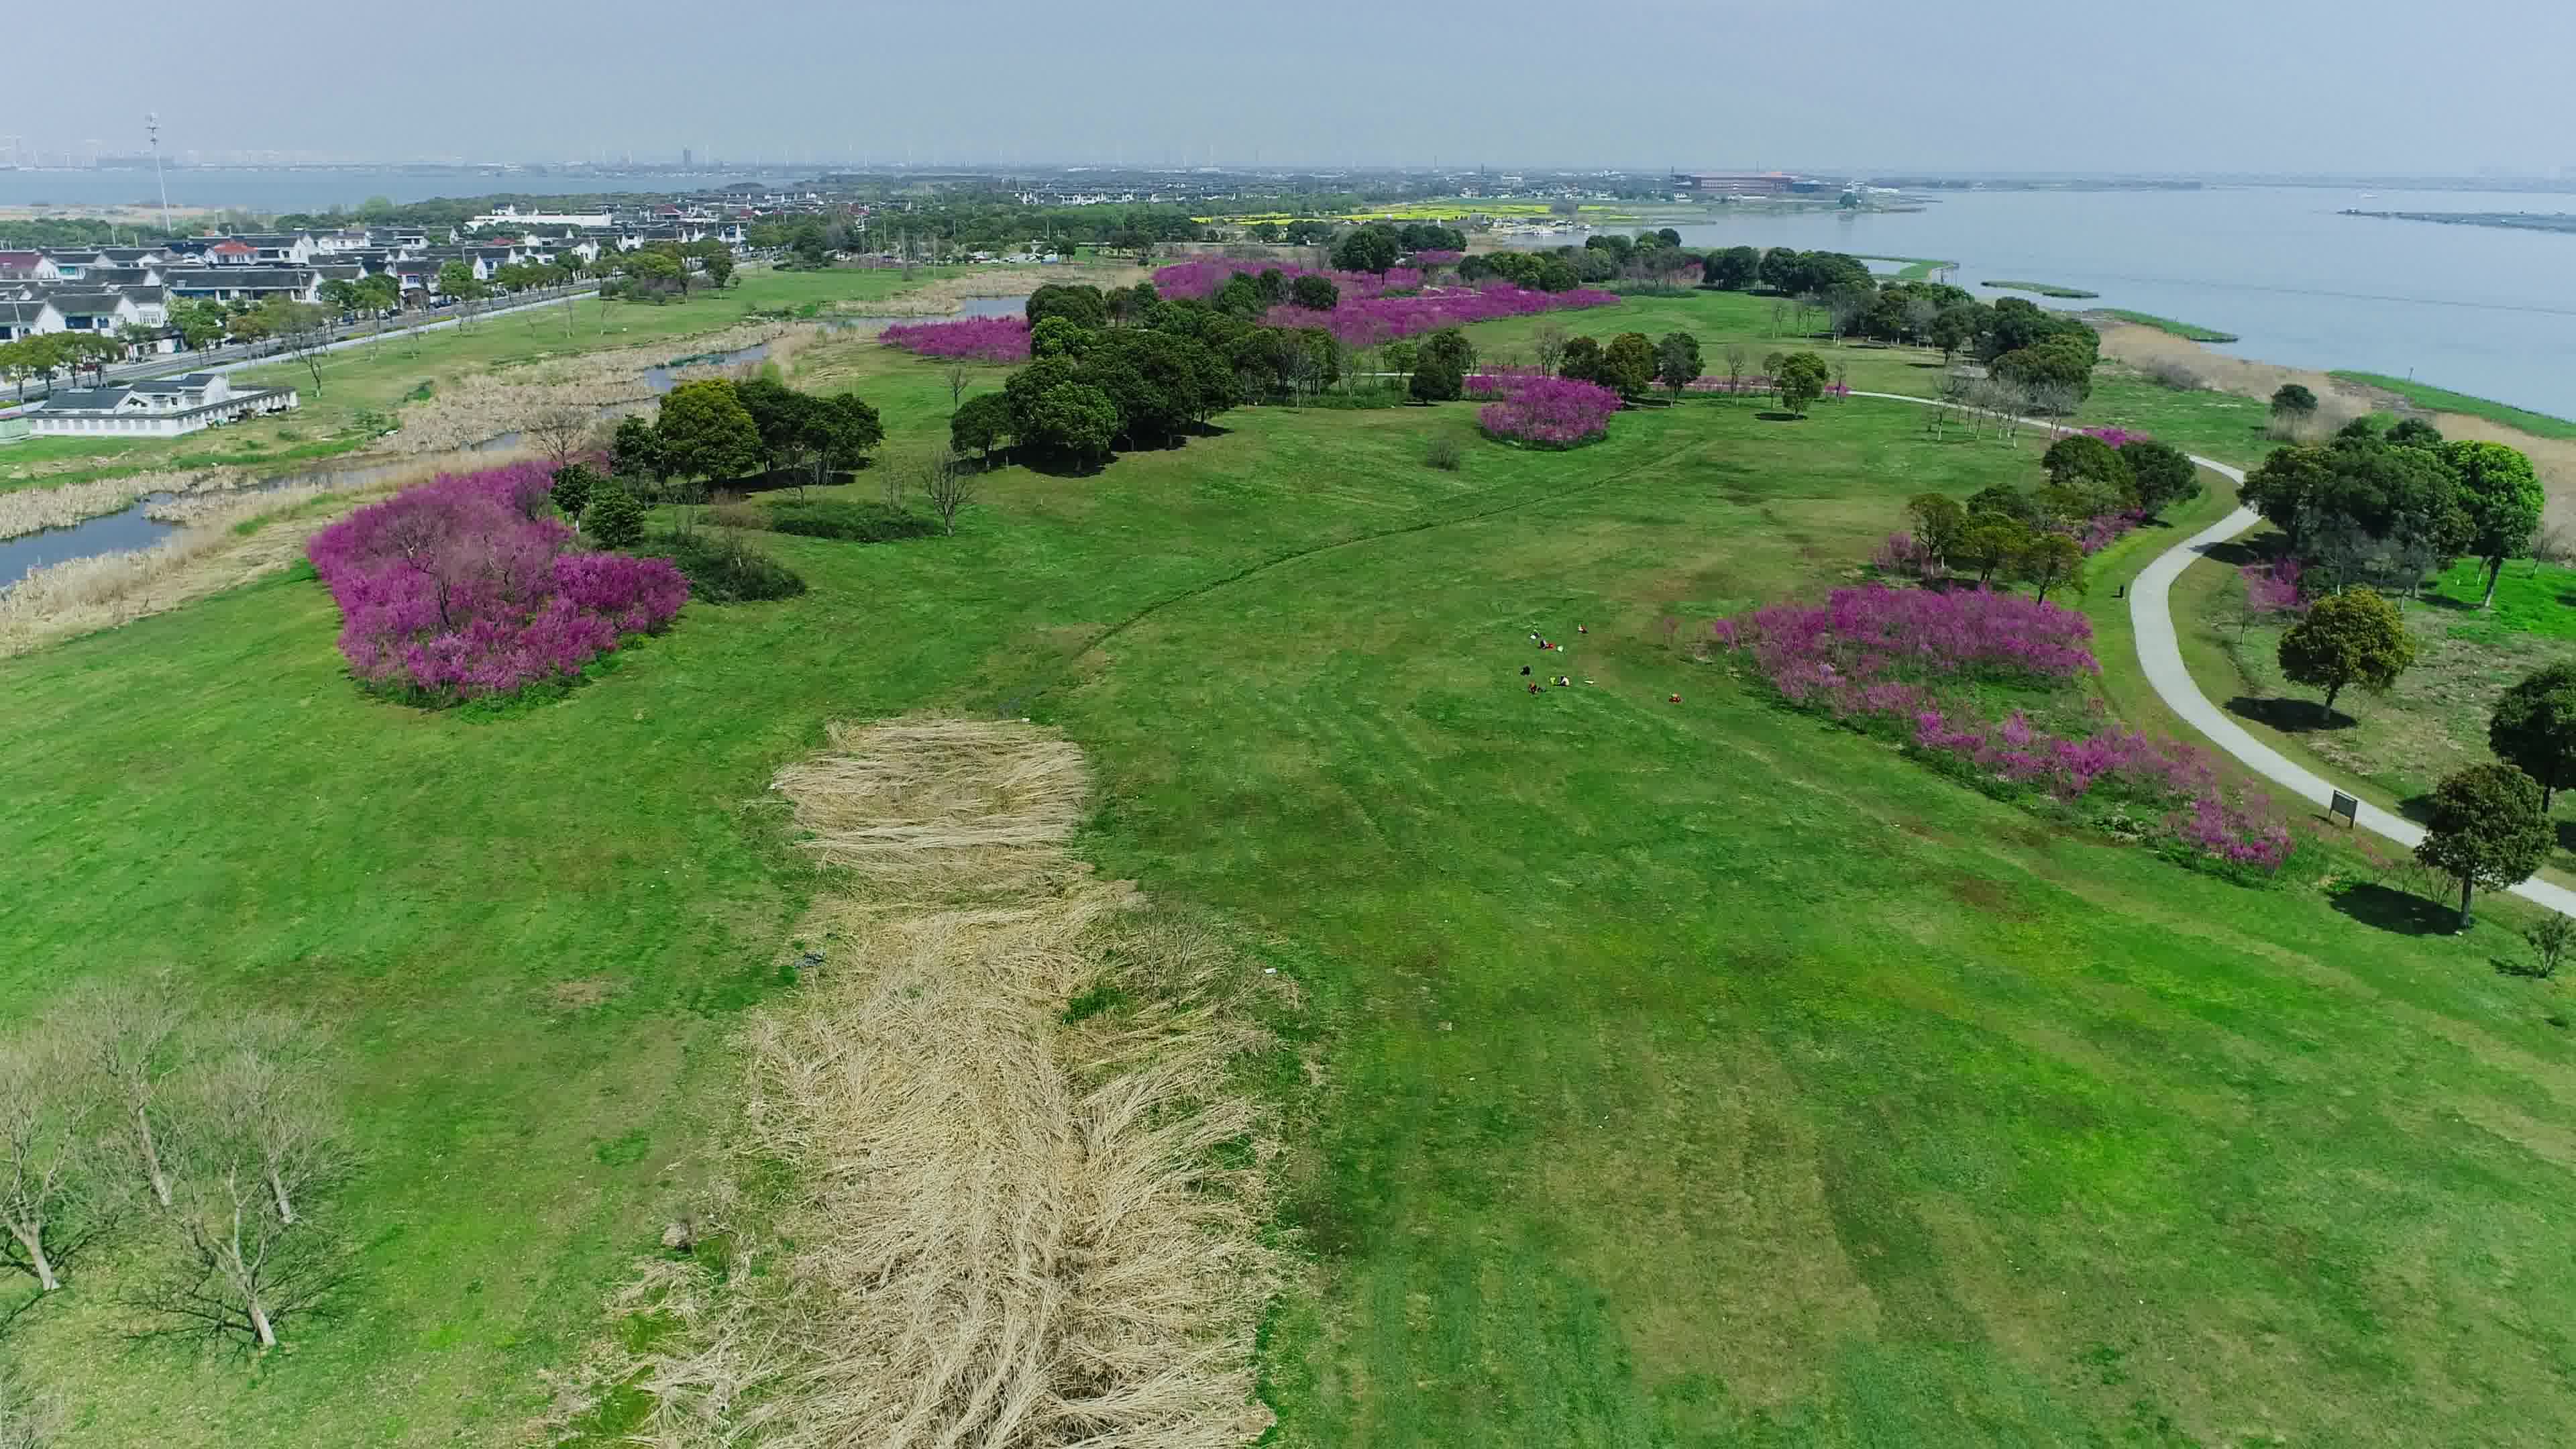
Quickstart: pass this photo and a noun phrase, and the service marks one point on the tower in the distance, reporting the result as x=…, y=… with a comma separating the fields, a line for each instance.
x=152, y=129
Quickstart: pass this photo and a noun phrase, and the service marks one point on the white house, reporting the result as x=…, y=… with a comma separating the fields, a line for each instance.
x=28, y=319
x=511, y=215
x=226, y=284
x=165, y=407
x=28, y=266
x=102, y=312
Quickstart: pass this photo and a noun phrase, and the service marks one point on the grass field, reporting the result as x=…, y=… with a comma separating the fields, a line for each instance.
x=2188, y=331
x=1685, y=1074
x=2435, y=399
x=2044, y=289
x=1916, y=269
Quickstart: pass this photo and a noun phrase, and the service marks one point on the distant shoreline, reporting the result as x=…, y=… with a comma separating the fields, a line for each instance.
x=2550, y=221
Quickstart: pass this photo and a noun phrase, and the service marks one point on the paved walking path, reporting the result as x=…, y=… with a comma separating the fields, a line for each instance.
x=2160, y=655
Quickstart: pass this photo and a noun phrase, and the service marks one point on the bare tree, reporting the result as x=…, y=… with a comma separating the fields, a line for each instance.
x=561, y=431
x=957, y=376
x=271, y=1109
x=1551, y=347
x=235, y=1268
x=130, y=1035
x=947, y=485
x=51, y=1197
x=1736, y=359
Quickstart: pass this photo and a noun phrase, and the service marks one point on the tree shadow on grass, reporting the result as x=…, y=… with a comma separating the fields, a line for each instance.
x=2234, y=553
x=1781, y=417
x=2418, y=808
x=2289, y=716
x=2395, y=910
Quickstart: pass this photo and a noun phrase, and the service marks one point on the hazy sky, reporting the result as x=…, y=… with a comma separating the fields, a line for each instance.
x=2245, y=85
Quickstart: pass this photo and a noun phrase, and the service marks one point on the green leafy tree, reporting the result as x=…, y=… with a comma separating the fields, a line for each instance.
x=2502, y=497
x=2352, y=636
x=1628, y=364
x=2079, y=460
x=1582, y=360
x=1368, y=249
x=1055, y=336
x=2414, y=433
x=2162, y=474
x=1450, y=350
x=835, y=434
x=1938, y=523
x=635, y=451
x=2050, y=561
x=2293, y=403
x=980, y=425
x=1989, y=544
x=613, y=518
x=2534, y=728
x=716, y=259
x=456, y=279
x=1082, y=305
x=1435, y=382
x=1074, y=419
x=2486, y=828
x=573, y=485
x=1953, y=328
x=1800, y=380
x=1315, y=293
x=1677, y=361
x=1733, y=269
x=705, y=432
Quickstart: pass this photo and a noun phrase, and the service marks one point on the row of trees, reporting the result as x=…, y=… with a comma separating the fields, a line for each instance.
x=125, y=1116
x=1085, y=392
x=2036, y=535
x=719, y=428
x=2389, y=509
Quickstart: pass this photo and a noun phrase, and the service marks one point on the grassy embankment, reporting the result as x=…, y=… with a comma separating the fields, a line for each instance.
x=2188, y=331
x=379, y=380
x=2044, y=289
x=1686, y=1074
x=1916, y=269
x=2442, y=400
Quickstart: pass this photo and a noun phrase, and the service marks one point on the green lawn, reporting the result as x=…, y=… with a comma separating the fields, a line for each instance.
x=2435, y=399
x=1685, y=1074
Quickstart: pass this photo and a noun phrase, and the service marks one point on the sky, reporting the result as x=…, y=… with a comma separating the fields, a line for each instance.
x=2321, y=86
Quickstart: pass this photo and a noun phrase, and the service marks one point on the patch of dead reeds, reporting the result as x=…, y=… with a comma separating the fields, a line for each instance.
x=1004, y=1189
x=32, y=510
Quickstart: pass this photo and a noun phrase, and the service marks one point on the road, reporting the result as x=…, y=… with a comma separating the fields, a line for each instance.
x=2160, y=656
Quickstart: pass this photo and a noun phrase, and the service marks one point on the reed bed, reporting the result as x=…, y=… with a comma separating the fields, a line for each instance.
x=33, y=510
x=1003, y=1219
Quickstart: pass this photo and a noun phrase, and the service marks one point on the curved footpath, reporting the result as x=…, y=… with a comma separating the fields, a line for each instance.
x=2160, y=655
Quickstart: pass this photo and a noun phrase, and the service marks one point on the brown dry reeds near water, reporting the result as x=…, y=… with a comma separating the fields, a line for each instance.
x=1024, y=1196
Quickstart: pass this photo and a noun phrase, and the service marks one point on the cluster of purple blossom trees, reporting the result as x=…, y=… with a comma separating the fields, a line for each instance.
x=463, y=588
x=1377, y=308
x=1908, y=663
x=968, y=339
x=1531, y=407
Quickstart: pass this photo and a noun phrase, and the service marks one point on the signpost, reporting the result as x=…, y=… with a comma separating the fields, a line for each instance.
x=2345, y=806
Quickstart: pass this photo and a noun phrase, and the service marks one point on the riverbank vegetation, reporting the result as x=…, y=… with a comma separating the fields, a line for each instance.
x=1289, y=654
x=2044, y=289
x=2442, y=400
x=2189, y=331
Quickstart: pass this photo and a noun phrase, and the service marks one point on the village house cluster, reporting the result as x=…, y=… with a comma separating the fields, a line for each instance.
x=131, y=297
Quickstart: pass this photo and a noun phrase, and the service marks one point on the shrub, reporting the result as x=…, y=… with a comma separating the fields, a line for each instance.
x=458, y=589
x=571, y=489
x=1445, y=454
x=849, y=522
x=722, y=566
x=612, y=517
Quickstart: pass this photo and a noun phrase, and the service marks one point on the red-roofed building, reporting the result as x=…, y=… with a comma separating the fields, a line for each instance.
x=27, y=267
x=231, y=253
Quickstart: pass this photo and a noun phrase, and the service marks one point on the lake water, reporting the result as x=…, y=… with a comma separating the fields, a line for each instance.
x=2474, y=309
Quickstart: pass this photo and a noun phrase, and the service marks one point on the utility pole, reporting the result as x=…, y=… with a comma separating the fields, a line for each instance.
x=152, y=128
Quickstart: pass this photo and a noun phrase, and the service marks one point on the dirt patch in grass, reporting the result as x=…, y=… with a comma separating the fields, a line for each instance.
x=994, y=1182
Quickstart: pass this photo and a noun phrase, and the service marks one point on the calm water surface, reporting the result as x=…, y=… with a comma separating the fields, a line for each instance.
x=2473, y=309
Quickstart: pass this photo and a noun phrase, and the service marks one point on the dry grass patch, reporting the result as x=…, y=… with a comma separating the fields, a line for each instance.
x=993, y=1182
